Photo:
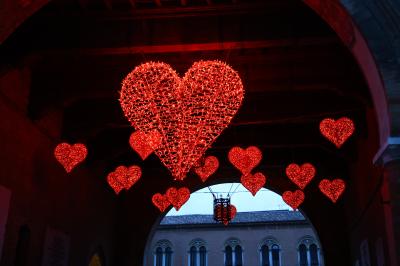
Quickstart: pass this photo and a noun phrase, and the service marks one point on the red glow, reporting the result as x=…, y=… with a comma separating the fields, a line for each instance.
x=332, y=189
x=124, y=177
x=190, y=113
x=338, y=131
x=70, y=156
x=160, y=201
x=209, y=166
x=293, y=199
x=144, y=144
x=253, y=182
x=245, y=160
x=178, y=197
x=300, y=175
x=233, y=212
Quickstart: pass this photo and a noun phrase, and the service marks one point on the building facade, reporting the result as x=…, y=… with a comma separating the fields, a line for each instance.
x=267, y=238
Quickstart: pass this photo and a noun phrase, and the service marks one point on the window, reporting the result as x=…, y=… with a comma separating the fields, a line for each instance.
x=163, y=253
x=197, y=253
x=308, y=252
x=233, y=253
x=270, y=252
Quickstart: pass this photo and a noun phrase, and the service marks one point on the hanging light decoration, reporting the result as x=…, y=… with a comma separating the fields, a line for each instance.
x=337, y=131
x=207, y=167
x=160, y=201
x=223, y=210
x=178, y=197
x=332, y=189
x=144, y=144
x=293, y=199
x=189, y=113
x=245, y=159
x=70, y=156
x=253, y=183
x=300, y=175
x=124, y=177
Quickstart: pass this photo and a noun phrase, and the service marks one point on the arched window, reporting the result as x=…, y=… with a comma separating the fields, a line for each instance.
x=314, y=255
x=193, y=256
x=238, y=256
x=203, y=256
x=163, y=253
x=233, y=253
x=228, y=256
x=308, y=252
x=303, y=255
x=270, y=252
x=197, y=253
x=265, y=255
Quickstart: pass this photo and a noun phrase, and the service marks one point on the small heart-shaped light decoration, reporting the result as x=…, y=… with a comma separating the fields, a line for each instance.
x=178, y=197
x=245, y=159
x=293, y=199
x=209, y=166
x=144, y=144
x=160, y=201
x=70, y=156
x=233, y=212
x=253, y=183
x=300, y=175
x=337, y=131
x=124, y=177
x=332, y=189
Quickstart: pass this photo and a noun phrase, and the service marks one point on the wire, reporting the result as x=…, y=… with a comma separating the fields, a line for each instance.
x=208, y=192
x=229, y=190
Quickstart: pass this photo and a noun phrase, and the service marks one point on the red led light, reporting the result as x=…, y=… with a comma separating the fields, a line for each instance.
x=70, y=156
x=293, y=199
x=338, y=131
x=144, y=144
x=233, y=212
x=178, y=197
x=160, y=201
x=208, y=167
x=332, y=189
x=300, y=175
x=124, y=177
x=253, y=182
x=245, y=159
x=189, y=113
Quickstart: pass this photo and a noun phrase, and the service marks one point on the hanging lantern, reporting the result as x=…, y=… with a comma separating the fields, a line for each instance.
x=222, y=210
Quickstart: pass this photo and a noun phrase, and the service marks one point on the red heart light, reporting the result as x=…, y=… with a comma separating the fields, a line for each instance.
x=332, y=189
x=144, y=144
x=178, y=197
x=293, y=199
x=70, y=156
x=300, y=175
x=189, y=112
x=160, y=201
x=245, y=160
x=338, y=131
x=124, y=177
x=233, y=212
x=253, y=182
x=210, y=165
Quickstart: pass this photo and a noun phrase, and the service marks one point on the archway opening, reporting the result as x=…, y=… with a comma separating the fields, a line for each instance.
x=264, y=231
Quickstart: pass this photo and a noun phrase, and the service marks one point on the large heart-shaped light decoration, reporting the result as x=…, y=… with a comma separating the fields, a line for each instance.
x=160, y=201
x=293, y=199
x=300, y=175
x=253, y=182
x=178, y=197
x=207, y=167
x=337, y=131
x=124, y=177
x=190, y=113
x=233, y=212
x=245, y=159
x=332, y=189
x=70, y=156
x=144, y=144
